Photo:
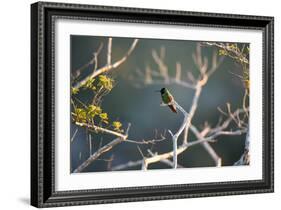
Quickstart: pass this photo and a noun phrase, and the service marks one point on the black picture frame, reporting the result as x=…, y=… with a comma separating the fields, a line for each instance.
x=43, y=15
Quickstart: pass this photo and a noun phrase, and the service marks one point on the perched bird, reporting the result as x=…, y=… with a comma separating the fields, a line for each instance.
x=168, y=99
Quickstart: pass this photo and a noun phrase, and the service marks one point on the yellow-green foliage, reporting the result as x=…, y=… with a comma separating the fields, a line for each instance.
x=94, y=110
x=74, y=90
x=80, y=115
x=90, y=84
x=117, y=126
x=105, y=82
x=93, y=113
x=222, y=52
x=240, y=55
x=89, y=114
x=104, y=117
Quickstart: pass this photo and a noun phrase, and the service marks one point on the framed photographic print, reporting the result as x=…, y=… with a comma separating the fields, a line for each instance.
x=138, y=104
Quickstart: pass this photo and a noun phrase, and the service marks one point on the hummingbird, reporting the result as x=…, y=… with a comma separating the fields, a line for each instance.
x=168, y=99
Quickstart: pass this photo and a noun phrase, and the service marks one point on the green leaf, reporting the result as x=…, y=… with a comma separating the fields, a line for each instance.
x=89, y=83
x=74, y=90
x=105, y=82
x=104, y=117
x=80, y=115
x=222, y=52
x=117, y=125
x=94, y=110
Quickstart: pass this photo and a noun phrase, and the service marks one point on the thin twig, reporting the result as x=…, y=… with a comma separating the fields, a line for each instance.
x=109, y=49
x=245, y=157
x=166, y=161
x=213, y=134
x=177, y=134
x=127, y=165
x=192, y=111
x=73, y=137
x=205, y=73
x=244, y=102
x=90, y=144
x=230, y=50
x=100, y=129
x=97, y=154
x=162, y=75
x=183, y=147
x=90, y=62
x=206, y=145
x=152, y=141
x=108, y=68
x=101, y=151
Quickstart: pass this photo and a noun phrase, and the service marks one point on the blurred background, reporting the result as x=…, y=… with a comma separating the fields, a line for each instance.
x=138, y=104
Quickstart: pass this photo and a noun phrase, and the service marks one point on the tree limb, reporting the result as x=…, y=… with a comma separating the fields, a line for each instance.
x=206, y=145
x=177, y=134
x=245, y=157
x=213, y=133
x=109, y=48
x=100, y=129
x=101, y=151
x=110, y=67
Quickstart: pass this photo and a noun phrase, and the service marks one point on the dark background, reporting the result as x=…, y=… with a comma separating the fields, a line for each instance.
x=140, y=106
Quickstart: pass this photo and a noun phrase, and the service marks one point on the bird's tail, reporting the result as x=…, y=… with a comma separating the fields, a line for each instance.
x=173, y=108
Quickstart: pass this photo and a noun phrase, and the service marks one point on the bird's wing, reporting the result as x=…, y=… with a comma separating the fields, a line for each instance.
x=170, y=98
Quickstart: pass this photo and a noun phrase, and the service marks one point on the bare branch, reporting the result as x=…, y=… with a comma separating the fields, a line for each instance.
x=73, y=136
x=225, y=124
x=202, y=65
x=183, y=147
x=244, y=102
x=206, y=145
x=245, y=157
x=101, y=151
x=141, y=152
x=161, y=76
x=92, y=61
x=163, y=69
x=215, y=64
x=177, y=134
x=127, y=165
x=100, y=129
x=108, y=68
x=178, y=72
x=161, y=157
x=166, y=161
x=151, y=141
x=109, y=164
x=212, y=134
x=234, y=53
x=192, y=111
x=205, y=71
x=90, y=144
x=144, y=165
x=98, y=153
x=109, y=49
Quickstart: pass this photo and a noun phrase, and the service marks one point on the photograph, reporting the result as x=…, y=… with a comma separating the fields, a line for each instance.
x=138, y=104
x=153, y=104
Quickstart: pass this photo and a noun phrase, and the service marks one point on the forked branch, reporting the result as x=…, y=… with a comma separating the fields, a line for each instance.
x=101, y=151
x=178, y=133
x=109, y=66
x=206, y=136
